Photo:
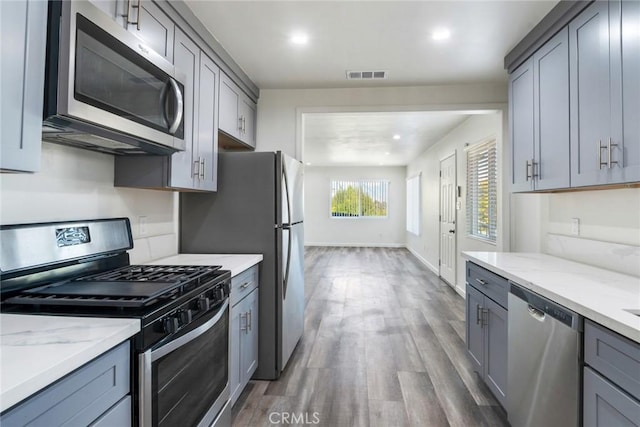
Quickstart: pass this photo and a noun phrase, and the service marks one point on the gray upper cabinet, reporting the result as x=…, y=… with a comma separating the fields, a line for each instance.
x=207, y=125
x=605, y=92
x=551, y=114
x=590, y=96
x=195, y=168
x=237, y=112
x=625, y=22
x=184, y=167
x=539, y=118
x=144, y=19
x=152, y=26
x=521, y=126
x=23, y=43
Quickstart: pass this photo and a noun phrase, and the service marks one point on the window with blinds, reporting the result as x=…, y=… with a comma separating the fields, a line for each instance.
x=413, y=205
x=482, y=191
x=359, y=199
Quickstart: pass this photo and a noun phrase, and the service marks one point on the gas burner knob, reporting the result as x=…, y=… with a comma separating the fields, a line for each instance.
x=185, y=317
x=170, y=324
x=219, y=294
x=203, y=303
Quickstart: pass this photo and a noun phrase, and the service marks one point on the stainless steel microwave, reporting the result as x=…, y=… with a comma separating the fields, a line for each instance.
x=105, y=89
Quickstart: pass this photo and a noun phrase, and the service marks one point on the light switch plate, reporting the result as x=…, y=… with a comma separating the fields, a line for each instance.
x=575, y=226
x=142, y=225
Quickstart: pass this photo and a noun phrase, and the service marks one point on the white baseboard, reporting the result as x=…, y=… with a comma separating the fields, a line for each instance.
x=424, y=261
x=357, y=245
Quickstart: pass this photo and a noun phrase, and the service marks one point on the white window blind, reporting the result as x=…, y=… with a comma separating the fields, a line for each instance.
x=413, y=205
x=359, y=199
x=482, y=191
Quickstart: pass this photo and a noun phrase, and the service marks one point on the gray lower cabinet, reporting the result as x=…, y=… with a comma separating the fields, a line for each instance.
x=195, y=168
x=237, y=113
x=605, y=94
x=611, y=388
x=243, y=330
x=23, y=44
x=539, y=118
x=486, y=328
x=95, y=394
x=606, y=405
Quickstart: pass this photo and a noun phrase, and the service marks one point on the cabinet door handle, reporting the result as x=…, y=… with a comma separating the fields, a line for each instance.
x=478, y=319
x=250, y=321
x=139, y=14
x=600, y=162
x=609, y=145
x=528, y=175
x=138, y=7
x=202, y=164
x=240, y=123
x=196, y=168
x=534, y=175
x=246, y=322
x=485, y=317
x=482, y=282
x=244, y=285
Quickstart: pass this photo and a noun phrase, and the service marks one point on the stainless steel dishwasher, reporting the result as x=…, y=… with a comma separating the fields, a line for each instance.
x=543, y=375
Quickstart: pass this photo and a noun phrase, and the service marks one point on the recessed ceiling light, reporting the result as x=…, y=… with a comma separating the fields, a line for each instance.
x=396, y=136
x=308, y=163
x=440, y=34
x=299, y=38
x=387, y=153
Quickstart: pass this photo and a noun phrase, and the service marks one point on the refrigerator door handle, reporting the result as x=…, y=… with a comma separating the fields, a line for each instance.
x=286, y=227
x=285, y=282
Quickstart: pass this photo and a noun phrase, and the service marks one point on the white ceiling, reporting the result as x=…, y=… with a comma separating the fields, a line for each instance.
x=394, y=36
x=352, y=139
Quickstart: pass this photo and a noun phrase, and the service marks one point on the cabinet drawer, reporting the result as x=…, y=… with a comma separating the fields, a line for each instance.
x=614, y=356
x=80, y=397
x=243, y=284
x=490, y=284
x=119, y=415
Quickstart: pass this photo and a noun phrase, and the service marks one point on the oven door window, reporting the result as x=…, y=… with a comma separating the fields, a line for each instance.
x=187, y=381
x=112, y=77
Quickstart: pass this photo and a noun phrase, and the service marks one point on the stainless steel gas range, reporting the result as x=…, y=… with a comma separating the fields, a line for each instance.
x=81, y=268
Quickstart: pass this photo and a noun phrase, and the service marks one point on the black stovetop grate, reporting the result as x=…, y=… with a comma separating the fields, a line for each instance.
x=129, y=286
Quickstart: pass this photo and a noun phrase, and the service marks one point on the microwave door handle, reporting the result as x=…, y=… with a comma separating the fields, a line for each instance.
x=177, y=93
x=163, y=104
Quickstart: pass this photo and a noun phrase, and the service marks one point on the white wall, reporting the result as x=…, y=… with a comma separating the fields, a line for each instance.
x=610, y=216
x=321, y=229
x=78, y=184
x=279, y=124
x=475, y=129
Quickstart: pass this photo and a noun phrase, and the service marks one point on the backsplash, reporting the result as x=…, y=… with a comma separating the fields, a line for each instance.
x=611, y=256
x=78, y=184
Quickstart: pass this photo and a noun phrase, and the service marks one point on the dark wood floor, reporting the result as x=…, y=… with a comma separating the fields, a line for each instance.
x=383, y=345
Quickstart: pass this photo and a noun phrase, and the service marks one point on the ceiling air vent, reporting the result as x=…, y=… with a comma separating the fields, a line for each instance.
x=366, y=75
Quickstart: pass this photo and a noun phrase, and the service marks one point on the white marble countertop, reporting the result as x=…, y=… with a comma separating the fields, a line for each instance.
x=598, y=294
x=37, y=350
x=236, y=263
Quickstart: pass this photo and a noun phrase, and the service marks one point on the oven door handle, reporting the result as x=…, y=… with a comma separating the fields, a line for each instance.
x=187, y=338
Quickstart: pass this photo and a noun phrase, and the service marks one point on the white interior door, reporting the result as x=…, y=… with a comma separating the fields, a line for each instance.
x=448, y=219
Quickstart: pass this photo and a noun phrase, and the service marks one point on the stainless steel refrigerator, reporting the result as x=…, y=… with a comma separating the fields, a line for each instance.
x=258, y=209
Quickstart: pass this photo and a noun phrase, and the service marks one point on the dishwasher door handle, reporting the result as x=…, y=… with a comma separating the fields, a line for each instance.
x=536, y=314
